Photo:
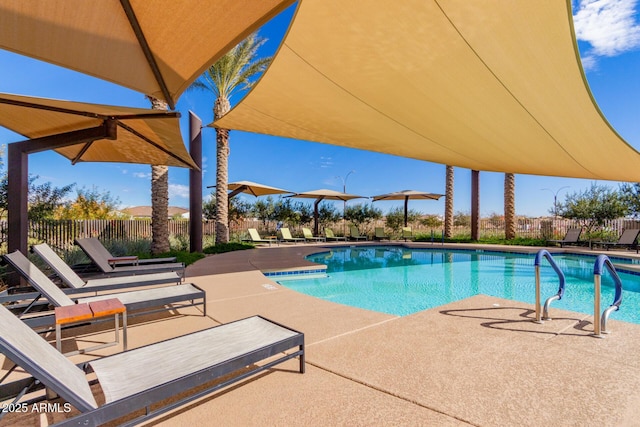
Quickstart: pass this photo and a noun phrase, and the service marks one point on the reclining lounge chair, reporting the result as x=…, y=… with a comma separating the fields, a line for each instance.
x=571, y=238
x=355, y=234
x=141, y=378
x=187, y=294
x=328, y=233
x=75, y=283
x=254, y=237
x=112, y=267
x=287, y=237
x=379, y=234
x=93, y=245
x=308, y=236
x=627, y=240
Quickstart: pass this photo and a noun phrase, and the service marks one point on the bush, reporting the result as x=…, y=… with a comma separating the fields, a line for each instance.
x=227, y=247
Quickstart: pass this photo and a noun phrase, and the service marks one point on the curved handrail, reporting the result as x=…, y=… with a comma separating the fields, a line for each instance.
x=543, y=253
x=603, y=261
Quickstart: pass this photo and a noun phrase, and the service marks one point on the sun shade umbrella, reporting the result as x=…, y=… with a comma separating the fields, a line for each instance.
x=82, y=132
x=324, y=194
x=406, y=195
x=492, y=88
x=252, y=188
x=156, y=47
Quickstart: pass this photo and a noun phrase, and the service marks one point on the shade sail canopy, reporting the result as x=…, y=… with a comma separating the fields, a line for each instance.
x=408, y=194
x=324, y=194
x=253, y=188
x=156, y=47
x=493, y=86
x=143, y=136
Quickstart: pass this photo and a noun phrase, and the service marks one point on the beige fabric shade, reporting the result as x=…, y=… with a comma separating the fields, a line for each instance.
x=143, y=136
x=492, y=86
x=156, y=47
x=408, y=194
x=253, y=188
x=324, y=194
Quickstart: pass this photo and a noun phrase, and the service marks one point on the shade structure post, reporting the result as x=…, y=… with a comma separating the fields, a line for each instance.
x=316, y=215
x=195, y=184
x=406, y=210
x=475, y=205
x=17, y=198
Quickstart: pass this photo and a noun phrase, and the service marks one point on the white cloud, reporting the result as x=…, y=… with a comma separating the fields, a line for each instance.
x=326, y=162
x=179, y=190
x=609, y=26
x=145, y=175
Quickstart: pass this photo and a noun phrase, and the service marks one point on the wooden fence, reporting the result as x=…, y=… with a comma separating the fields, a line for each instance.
x=61, y=234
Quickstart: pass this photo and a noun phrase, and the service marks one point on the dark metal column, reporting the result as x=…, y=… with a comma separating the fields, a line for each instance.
x=18, y=189
x=195, y=184
x=475, y=205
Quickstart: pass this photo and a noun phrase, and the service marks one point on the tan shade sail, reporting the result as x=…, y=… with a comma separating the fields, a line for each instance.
x=408, y=194
x=253, y=188
x=143, y=136
x=492, y=85
x=108, y=38
x=324, y=194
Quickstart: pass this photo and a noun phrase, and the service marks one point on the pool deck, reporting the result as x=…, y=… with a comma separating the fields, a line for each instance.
x=476, y=362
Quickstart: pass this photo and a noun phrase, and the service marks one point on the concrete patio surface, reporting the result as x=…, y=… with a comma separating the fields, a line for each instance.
x=475, y=362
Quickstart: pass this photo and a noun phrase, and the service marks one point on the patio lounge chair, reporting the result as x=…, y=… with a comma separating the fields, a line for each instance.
x=572, y=237
x=254, y=237
x=308, y=235
x=355, y=234
x=93, y=245
x=187, y=294
x=139, y=380
x=110, y=268
x=407, y=233
x=287, y=237
x=329, y=235
x=627, y=239
x=75, y=282
x=379, y=234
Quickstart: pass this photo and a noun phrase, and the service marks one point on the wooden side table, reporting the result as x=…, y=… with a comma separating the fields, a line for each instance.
x=86, y=312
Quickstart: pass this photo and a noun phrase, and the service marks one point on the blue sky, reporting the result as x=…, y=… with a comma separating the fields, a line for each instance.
x=609, y=42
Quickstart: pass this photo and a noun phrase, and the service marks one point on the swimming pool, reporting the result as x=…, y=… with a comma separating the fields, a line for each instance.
x=400, y=281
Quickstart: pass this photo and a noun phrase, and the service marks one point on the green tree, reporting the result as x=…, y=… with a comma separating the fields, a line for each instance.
x=234, y=71
x=462, y=219
x=362, y=214
x=395, y=218
x=238, y=209
x=89, y=204
x=328, y=214
x=592, y=207
x=264, y=210
x=44, y=199
x=631, y=197
x=431, y=221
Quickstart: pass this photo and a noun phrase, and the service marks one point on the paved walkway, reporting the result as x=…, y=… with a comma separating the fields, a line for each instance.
x=476, y=362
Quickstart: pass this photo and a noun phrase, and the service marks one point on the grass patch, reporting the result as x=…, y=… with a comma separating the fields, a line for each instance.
x=520, y=241
x=181, y=256
x=227, y=247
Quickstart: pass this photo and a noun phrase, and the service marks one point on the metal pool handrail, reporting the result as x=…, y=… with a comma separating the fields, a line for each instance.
x=600, y=323
x=543, y=253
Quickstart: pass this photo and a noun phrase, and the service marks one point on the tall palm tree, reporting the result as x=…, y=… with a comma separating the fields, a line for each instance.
x=159, y=198
x=234, y=71
x=509, y=206
x=448, y=204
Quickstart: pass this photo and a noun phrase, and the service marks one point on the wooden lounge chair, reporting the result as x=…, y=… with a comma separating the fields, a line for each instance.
x=355, y=234
x=147, y=300
x=138, y=380
x=308, y=236
x=379, y=234
x=93, y=245
x=571, y=238
x=286, y=236
x=110, y=268
x=329, y=235
x=76, y=283
x=407, y=233
x=627, y=240
x=254, y=237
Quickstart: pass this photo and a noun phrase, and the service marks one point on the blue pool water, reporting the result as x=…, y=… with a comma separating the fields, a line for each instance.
x=401, y=281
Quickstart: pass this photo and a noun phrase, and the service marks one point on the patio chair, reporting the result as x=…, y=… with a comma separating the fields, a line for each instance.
x=627, y=239
x=329, y=235
x=110, y=268
x=91, y=244
x=572, y=237
x=407, y=233
x=76, y=283
x=186, y=294
x=355, y=234
x=254, y=237
x=141, y=380
x=286, y=236
x=308, y=235
x=379, y=234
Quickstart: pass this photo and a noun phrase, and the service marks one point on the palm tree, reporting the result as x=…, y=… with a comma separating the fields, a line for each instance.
x=159, y=198
x=234, y=71
x=448, y=207
x=509, y=206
